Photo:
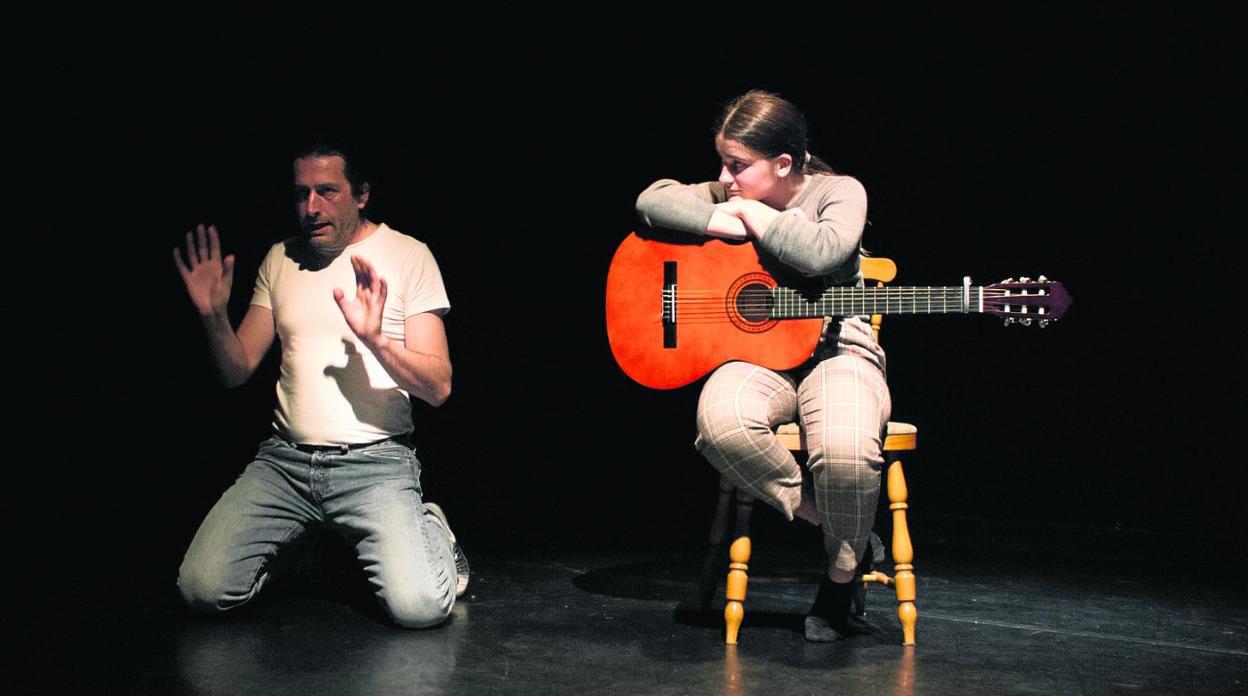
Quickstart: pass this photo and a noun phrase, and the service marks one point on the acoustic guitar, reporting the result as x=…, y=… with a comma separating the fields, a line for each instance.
x=678, y=310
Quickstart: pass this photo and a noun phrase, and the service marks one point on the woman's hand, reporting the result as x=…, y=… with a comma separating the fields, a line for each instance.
x=753, y=216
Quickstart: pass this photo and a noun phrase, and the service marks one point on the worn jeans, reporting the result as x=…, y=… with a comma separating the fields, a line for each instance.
x=370, y=495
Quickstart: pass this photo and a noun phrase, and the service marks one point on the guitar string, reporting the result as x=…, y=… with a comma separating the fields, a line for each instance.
x=718, y=308
x=710, y=307
x=684, y=296
x=856, y=293
x=770, y=302
x=800, y=312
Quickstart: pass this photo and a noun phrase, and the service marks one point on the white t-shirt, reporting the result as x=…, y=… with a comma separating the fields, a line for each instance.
x=332, y=389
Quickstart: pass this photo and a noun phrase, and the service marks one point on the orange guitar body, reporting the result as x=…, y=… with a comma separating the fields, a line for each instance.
x=709, y=328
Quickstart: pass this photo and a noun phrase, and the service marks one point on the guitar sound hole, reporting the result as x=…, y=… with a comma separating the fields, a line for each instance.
x=754, y=302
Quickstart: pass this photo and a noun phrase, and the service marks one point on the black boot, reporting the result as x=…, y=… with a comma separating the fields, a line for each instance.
x=829, y=619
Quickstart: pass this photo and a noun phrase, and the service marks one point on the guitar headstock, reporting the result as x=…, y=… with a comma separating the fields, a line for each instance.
x=1026, y=301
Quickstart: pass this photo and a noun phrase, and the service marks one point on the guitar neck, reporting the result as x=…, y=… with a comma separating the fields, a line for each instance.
x=850, y=301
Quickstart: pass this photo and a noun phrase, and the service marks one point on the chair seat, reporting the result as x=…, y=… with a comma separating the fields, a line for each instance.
x=901, y=437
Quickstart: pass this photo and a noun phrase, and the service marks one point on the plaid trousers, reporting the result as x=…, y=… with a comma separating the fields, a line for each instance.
x=843, y=405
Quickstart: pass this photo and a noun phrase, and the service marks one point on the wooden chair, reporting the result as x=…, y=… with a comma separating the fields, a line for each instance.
x=901, y=437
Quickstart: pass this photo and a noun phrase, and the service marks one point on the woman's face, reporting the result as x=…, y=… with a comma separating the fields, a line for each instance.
x=746, y=173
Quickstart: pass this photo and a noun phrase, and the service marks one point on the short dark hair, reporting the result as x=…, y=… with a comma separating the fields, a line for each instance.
x=353, y=165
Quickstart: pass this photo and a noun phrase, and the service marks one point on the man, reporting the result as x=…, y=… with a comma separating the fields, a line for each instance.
x=338, y=457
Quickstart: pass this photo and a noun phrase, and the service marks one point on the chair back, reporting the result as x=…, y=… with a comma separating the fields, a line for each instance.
x=882, y=271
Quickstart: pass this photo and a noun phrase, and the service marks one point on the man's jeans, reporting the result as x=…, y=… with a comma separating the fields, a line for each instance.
x=371, y=496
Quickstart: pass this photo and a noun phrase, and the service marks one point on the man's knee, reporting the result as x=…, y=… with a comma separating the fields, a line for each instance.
x=418, y=608
x=206, y=589
x=201, y=589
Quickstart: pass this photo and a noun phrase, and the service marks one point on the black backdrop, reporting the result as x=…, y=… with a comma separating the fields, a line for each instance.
x=1098, y=150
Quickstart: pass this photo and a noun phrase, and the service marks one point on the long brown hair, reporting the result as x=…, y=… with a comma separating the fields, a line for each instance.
x=770, y=126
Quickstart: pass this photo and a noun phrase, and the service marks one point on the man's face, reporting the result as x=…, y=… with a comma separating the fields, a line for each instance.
x=328, y=210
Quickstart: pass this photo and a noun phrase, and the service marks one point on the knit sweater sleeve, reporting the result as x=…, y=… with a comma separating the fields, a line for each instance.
x=669, y=204
x=822, y=234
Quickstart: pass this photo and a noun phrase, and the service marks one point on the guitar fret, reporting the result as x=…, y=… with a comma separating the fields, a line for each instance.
x=788, y=303
x=850, y=301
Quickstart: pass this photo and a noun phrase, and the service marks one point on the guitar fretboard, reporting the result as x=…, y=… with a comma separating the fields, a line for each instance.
x=850, y=301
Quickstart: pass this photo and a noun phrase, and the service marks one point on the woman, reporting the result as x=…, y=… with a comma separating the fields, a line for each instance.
x=809, y=219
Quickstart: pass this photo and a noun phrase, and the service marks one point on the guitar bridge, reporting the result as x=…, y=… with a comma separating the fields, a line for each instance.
x=669, y=304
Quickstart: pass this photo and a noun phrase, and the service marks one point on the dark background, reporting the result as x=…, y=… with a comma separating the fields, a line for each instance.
x=1097, y=149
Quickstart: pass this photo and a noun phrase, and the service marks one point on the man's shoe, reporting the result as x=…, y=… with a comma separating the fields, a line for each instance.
x=461, y=561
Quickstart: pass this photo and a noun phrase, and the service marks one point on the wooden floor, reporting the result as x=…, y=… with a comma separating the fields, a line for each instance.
x=566, y=616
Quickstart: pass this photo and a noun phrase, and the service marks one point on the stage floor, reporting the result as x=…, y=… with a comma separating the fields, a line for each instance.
x=619, y=616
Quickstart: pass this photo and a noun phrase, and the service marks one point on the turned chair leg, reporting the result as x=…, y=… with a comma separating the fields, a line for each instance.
x=903, y=552
x=734, y=610
x=738, y=568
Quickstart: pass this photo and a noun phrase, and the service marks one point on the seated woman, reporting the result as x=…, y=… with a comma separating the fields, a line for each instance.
x=809, y=219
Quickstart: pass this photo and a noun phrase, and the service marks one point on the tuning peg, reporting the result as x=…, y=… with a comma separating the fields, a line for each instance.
x=1025, y=321
x=1042, y=279
x=1044, y=323
x=1008, y=321
x=1024, y=279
